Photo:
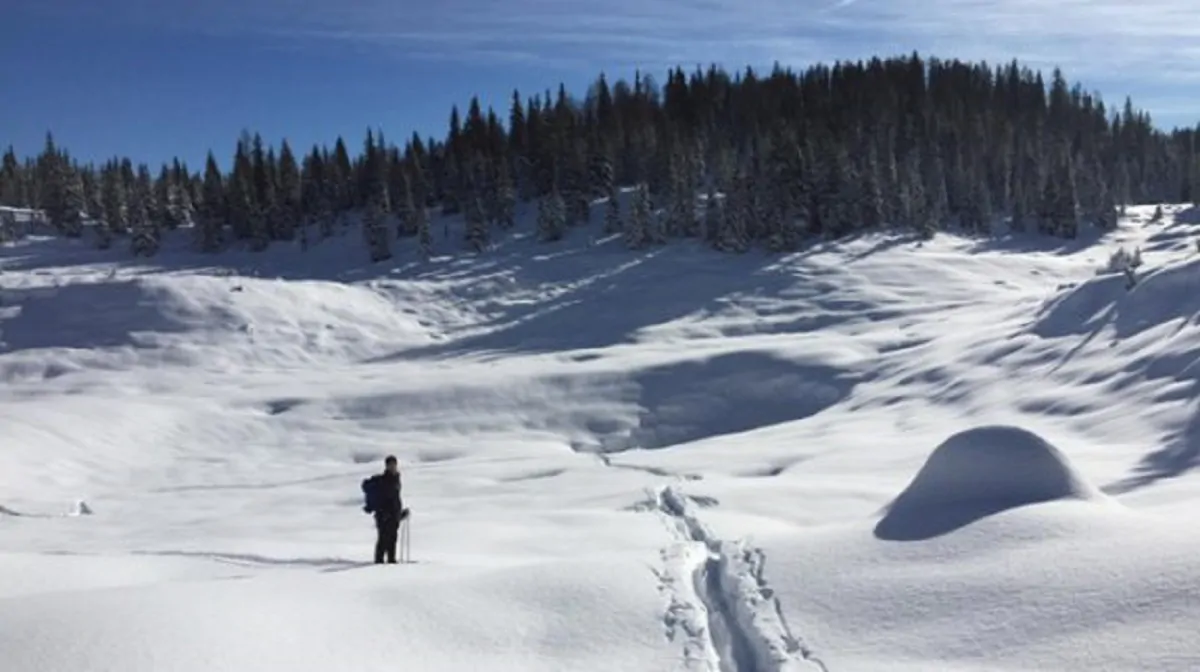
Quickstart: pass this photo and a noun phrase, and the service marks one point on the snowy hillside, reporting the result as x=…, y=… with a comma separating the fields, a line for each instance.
x=868, y=456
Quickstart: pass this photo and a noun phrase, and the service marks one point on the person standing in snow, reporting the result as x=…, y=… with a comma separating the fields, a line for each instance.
x=383, y=499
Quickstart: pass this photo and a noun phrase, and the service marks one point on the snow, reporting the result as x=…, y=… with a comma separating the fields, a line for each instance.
x=876, y=454
x=978, y=473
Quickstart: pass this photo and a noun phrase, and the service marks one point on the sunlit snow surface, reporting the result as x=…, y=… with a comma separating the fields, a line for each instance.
x=873, y=455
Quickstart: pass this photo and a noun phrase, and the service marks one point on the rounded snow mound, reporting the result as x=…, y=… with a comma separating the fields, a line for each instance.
x=977, y=473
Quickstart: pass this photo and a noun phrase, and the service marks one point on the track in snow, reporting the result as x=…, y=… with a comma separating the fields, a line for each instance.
x=732, y=619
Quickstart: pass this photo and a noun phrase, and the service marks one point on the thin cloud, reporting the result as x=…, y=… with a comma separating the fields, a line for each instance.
x=1148, y=44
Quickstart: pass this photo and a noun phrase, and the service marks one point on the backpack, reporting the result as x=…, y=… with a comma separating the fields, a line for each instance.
x=370, y=488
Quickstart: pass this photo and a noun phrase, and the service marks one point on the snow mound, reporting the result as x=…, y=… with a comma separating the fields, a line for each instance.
x=977, y=473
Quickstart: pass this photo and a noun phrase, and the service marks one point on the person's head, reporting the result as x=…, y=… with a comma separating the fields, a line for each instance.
x=389, y=464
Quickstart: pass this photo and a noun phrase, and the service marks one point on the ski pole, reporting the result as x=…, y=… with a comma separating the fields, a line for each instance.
x=405, y=549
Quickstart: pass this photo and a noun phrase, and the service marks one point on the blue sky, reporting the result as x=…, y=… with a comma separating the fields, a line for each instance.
x=152, y=79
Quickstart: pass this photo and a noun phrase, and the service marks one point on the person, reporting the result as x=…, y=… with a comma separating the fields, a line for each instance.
x=383, y=500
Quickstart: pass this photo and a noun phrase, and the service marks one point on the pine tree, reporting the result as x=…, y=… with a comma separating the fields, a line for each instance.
x=872, y=214
x=114, y=197
x=12, y=188
x=375, y=225
x=73, y=205
x=146, y=237
x=714, y=218
x=739, y=208
x=210, y=232
x=552, y=217
x=288, y=192
x=112, y=219
x=424, y=233
x=639, y=225
x=506, y=198
x=612, y=211
x=477, y=233
x=823, y=151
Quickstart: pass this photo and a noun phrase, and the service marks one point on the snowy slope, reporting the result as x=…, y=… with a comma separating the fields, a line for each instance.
x=873, y=455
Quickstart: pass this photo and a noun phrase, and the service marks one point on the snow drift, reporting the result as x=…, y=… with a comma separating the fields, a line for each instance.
x=977, y=473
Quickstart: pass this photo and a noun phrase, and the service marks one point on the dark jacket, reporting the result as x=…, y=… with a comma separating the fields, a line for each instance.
x=385, y=489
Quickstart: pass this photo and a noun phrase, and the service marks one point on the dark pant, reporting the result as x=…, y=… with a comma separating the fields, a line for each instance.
x=388, y=528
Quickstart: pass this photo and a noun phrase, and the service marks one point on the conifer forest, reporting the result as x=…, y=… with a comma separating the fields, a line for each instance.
x=737, y=160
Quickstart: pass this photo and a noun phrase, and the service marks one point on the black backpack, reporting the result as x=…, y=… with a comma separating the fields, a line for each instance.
x=370, y=488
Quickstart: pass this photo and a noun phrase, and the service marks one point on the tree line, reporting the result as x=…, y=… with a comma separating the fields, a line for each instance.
x=734, y=159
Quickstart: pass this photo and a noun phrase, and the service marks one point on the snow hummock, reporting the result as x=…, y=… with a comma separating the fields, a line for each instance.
x=875, y=454
x=980, y=472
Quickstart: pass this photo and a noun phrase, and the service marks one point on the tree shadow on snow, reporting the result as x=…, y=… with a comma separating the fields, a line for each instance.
x=605, y=298
x=1023, y=243
x=1180, y=456
x=82, y=315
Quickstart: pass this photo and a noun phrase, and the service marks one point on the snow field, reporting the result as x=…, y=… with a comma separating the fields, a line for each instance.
x=880, y=454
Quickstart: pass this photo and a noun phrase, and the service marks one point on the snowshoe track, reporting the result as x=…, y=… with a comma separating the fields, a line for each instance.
x=720, y=599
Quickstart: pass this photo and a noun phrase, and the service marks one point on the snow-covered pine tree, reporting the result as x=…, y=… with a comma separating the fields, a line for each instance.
x=612, y=212
x=714, y=218
x=424, y=234
x=145, y=238
x=1106, y=217
x=97, y=211
x=163, y=213
x=113, y=197
x=639, y=224
x=74, y=203
x=551, y=217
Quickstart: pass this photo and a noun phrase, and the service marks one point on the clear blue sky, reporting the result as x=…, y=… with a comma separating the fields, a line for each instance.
x=153, y=79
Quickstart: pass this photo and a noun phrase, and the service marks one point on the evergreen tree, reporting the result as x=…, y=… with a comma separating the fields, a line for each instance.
x=146, y=235
x=639, y=226
x=288, y=194
x=113, y=218
x=506, y=198
x=612, y=211
x=714, y=219
x=821, y=151
x=552, y=217
x=210, y=232
x=375, y=224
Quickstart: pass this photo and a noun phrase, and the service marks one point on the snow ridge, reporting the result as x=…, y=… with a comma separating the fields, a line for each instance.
x=745, y=629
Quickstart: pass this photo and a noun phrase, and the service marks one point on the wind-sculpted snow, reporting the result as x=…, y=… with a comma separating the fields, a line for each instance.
x=977, y=473
x=875, y=454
